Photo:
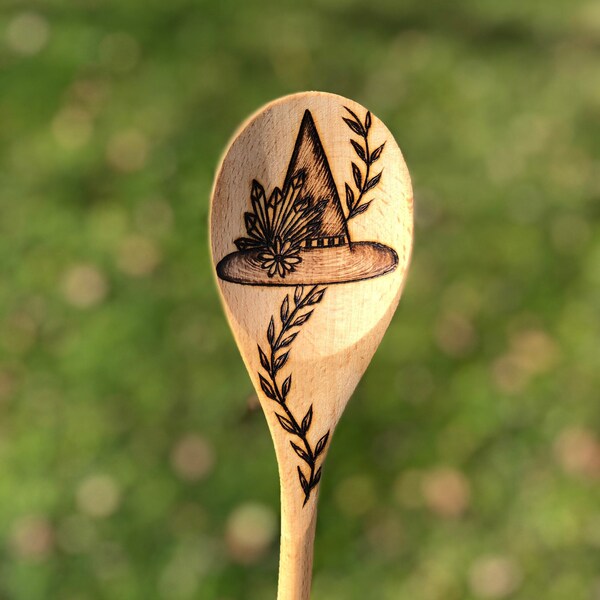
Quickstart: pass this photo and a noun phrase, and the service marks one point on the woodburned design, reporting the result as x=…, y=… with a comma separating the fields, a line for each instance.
x=297, y=236
x=272, y=362
x=355, y=205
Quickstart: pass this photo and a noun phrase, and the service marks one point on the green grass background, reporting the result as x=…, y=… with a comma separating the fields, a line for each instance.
x=133, y=460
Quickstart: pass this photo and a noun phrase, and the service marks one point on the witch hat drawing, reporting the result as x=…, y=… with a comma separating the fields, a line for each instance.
x=298, y=235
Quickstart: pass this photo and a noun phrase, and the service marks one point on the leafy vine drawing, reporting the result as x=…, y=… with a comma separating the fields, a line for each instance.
x=364, y=183
x=273, y=361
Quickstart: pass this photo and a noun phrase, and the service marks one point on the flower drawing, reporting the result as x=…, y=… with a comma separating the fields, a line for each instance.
x=280, y=258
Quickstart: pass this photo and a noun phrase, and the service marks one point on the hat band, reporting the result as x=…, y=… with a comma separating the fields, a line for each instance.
x=324, y=242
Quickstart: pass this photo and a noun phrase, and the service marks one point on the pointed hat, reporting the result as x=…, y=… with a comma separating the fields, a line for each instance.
x=299, y=236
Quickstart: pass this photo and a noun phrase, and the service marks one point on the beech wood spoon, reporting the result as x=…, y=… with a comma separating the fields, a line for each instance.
x=311, y=233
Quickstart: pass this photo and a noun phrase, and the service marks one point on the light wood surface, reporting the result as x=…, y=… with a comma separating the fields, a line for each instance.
x=310, y=275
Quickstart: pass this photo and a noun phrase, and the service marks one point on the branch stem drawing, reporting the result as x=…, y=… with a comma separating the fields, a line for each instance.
x=273, y=362
x=363, y=183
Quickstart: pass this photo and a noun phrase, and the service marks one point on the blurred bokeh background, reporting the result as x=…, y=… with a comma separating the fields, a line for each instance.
x=134, y=461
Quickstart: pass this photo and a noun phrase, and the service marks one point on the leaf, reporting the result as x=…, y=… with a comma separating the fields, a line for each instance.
x=353, y=114
x=359, y=150
x=285, y=310
x=376, y=154
x=372, y=182
x=359, y=210
x=301, y=453
x=315, y=290
x=303, y=481
x=316, y=298
x=307, y=420
x=368, y=120
x=288, y=340
x=317, y=477
x=349, y=197
x=321, y=444
x=286, y=424
x=356, y=127
x=298, y=294
x=287, y=384
x=267, y=388
x=281, y=361
x=264, y=361
x=271, y=331
x=302, y=319
x=357, y=175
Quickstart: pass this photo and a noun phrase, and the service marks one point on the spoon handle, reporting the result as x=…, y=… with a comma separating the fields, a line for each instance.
x=296, y=555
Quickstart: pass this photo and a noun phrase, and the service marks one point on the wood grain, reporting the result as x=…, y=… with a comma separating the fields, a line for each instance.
x=281, y=147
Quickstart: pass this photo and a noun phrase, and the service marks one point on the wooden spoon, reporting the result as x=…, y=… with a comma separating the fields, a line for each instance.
x=311, y=234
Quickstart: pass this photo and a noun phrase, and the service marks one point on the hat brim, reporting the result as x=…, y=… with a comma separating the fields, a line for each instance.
x=319, y=266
